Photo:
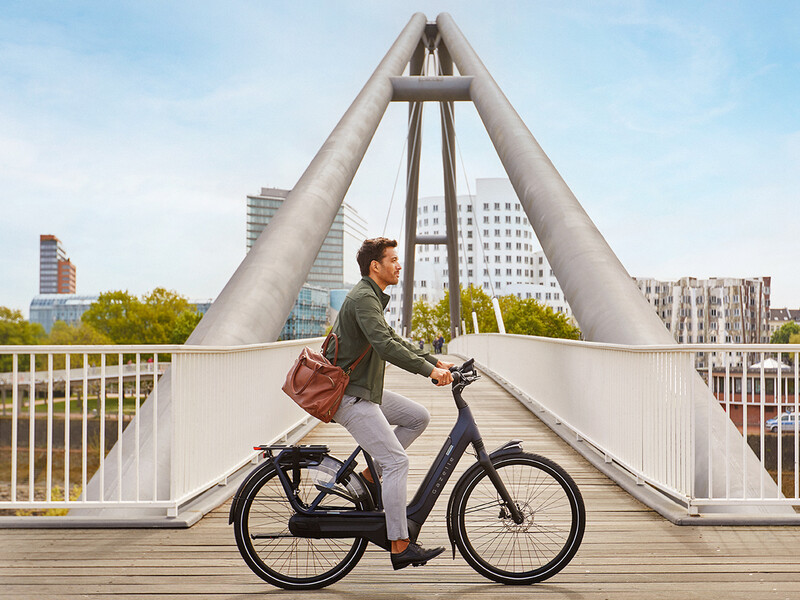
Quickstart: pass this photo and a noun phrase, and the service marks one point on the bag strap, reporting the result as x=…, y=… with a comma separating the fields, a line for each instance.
x=336, y=351
x=358, y=360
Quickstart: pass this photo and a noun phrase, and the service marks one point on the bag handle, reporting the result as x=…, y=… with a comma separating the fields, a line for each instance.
x=336, y=351
x=335, y=348
x=310, y=377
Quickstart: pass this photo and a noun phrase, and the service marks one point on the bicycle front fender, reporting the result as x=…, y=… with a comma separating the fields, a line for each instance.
x=510, y=447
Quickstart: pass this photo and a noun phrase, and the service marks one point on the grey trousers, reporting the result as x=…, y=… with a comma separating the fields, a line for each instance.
x=371, y=426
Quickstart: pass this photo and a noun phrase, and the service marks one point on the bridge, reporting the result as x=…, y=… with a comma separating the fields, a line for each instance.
x=626, y=405
x=628, y=551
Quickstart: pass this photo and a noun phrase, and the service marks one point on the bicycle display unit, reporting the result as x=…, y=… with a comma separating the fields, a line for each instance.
x=303, y=518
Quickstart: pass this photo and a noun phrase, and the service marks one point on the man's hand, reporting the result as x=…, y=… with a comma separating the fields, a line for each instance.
x=442, y=376
x=444, y=365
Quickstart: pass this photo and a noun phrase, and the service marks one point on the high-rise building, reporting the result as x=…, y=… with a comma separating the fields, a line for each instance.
x=56, y=271
x=335, y=266
x=497, y=250
x=719, y=310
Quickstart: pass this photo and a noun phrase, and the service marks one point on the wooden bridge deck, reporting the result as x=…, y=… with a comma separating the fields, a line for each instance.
x=628, y=550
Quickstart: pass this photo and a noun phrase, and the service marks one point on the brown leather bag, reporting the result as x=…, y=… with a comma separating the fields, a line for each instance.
x=317, y=384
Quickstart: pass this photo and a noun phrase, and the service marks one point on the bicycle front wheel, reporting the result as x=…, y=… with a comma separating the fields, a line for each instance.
x=518, y=553
x=261, y=526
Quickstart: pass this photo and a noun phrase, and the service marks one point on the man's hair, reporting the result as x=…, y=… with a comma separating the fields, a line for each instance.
x=373, y=250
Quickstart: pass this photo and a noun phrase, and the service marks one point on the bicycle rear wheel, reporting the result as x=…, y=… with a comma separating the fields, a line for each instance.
x=261, y=526
x=502, y=550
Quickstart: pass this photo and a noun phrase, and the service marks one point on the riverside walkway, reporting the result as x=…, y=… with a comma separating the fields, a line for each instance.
x=628, y=551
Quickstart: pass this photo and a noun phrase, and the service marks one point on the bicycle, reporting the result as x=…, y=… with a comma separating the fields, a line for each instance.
x=303, y=518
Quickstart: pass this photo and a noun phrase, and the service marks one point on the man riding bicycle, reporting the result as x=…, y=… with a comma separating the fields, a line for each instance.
x=368, y=411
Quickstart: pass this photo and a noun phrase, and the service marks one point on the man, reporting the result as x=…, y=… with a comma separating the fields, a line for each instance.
x=368, y=411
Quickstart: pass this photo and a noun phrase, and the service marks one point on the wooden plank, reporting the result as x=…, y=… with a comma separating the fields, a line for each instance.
x=628, y=551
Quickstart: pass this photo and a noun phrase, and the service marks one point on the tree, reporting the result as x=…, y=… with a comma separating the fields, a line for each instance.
x=76, y=335
x=118, y=316
x=16, y=331
x=424, y=324
x=784, y=333
x=788, y=333
x=183, y=326
x=529, y=317
x=125, y=319
x=81, y=334
x=524, y=317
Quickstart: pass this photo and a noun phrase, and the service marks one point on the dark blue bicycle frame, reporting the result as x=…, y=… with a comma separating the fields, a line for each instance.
x=315, y=520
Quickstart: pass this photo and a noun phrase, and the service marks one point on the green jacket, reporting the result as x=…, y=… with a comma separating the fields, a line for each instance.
x=361, y=323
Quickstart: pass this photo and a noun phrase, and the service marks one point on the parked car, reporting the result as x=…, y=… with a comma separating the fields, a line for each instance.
x=787, y=422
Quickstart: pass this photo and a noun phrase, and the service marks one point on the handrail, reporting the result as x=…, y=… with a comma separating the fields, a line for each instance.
x=649, y=411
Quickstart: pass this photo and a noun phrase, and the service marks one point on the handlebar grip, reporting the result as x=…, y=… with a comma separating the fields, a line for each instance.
x=456, y=377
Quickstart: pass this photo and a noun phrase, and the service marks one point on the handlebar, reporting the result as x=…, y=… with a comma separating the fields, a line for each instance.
x=463, y=375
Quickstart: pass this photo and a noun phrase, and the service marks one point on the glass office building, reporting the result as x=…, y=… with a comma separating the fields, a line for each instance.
x=335, y=266
x=309, y=316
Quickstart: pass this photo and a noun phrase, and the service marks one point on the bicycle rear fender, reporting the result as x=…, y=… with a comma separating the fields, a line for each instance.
x=303, y=455
x=243, y=486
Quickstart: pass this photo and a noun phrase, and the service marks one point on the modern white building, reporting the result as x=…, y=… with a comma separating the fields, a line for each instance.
x=498, y=250
x=718, y=310
x=335, y=266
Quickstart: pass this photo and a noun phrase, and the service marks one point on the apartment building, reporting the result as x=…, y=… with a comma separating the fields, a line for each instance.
x=718, y=310
x=497, y=249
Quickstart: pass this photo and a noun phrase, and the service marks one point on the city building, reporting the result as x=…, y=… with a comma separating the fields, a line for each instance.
x=309, y=316
x=46, y=309
x=333, y=273
x=711, y=311
x=778, y=317
x=498, y=250
x=56, y=271
x=335, y=266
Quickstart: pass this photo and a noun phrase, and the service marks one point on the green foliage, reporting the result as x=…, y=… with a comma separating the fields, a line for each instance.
x=76, y=335
x=158, y=318
x=524, y=317
x=788, y=333
x=424, y=321
x=183, y=326
x=785, y=333
x=475, y=299
x=16, y=331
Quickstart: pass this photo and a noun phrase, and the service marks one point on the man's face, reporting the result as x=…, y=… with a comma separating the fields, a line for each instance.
x=388, y=268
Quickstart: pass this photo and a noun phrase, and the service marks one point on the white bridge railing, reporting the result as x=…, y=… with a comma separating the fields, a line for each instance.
x=650, y=411
x=68, y=413
x=70, y=416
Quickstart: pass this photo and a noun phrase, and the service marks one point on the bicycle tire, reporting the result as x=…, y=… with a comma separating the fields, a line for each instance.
x=503, y=551
x=286, y=561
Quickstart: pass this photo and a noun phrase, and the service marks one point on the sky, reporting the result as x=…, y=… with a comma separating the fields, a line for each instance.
x=133, y=131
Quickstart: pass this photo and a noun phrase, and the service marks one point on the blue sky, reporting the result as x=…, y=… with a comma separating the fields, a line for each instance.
x=134, y=130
